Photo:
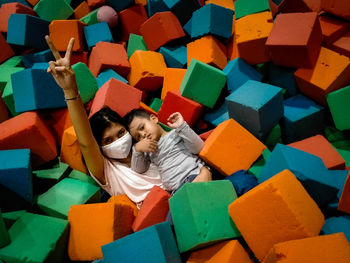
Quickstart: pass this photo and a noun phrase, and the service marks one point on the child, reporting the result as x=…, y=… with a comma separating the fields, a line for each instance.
x=174, y=152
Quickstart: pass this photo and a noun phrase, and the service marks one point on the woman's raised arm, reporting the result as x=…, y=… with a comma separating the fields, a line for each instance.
x=64, y=75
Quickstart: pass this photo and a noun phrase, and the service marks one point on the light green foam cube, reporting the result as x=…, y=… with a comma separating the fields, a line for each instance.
x=339, y=105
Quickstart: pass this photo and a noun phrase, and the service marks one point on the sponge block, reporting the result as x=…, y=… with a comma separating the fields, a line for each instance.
x=86, y=82
x=6, y=50
x=172, y=80
x=12, y=8
x=131, y=19
x=338, y=105
x=53, y=9
x=277, y=210
x=96, y=33
x=339, y=8
x=244, y=8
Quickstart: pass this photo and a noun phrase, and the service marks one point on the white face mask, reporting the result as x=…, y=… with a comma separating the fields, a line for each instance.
x=120, y=148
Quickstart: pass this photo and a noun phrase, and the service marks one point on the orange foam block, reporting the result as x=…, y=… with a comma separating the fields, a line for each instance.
x=160, y=29
x=93, y=4
x=223, y=252
x=331, y=72
x=344, y=201
x=101, y=58
x=154, y=209
x=147, y=70
x=79, y=57
x=252, y=32
x=230, y=147
x=318, y=145
x=295, y=40
x=340, y=8
x=208, y=50
x=117, y=95
x=70, y=151
x=61, y=31
x=81, y=10
x=301, y=6
x=224, y=3
x=33, y=2
x=12, y=8
x=232, y=49
x=342, y=45
x=91, y=226
x=147, y=108
x=332, y=28
x=6, y=50
x=27, y=130
x=131, y=19
x=326, y=249
x=172, y=80
x=125, y=200
x=276, y=210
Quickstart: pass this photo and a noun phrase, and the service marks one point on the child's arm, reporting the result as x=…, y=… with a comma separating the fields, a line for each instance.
x=140, y=162
x=192, y=141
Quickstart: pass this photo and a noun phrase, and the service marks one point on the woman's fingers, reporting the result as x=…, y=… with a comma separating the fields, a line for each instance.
x=52, y=67
x=69, y=50
x=60, y=68
x=54, y=51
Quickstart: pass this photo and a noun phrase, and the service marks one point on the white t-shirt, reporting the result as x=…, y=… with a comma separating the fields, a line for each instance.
x=120, y=179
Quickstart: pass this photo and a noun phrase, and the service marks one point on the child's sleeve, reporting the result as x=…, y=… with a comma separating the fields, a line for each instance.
x=139, y=161
x=192, y=141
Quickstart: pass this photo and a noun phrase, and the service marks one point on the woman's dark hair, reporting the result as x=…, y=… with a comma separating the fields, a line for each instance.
x=101, y=120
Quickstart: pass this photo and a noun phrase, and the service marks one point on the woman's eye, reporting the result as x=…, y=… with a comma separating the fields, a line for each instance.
x=121, y=132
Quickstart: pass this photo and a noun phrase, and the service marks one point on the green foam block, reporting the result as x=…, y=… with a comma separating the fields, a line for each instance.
x=135, y=42
x=53, y=9
x=90, y=18
x=5, y=74
x=202, y=83
x=259, y=164
x=244, y=7
x=200, y=213
x=36, y=238
x=75, y=174
x=273, y=137
x=87, y=83
x=7, y=96
x=15, y=61
x=4, y=236
x=59, y=198
x=56, y=173
x=11, y=217
x=338, y=102
x=156, y=104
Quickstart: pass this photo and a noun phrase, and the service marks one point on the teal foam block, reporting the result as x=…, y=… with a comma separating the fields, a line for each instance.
x=338, y=179
x=183, y=9
x=153, y=244
x=27, y=30
x=155, y=6
x=239, y=72
x=202, y=83
x=336, y=225
x=86, y=81
x=119, y=5
x=212, y=19
x=53, y=9
x=36, y=238
x=257, y=106
x=175, y=57
x=217, y=116
x=106, y=75
x=308, y=168
x=96, y=33
x=188, y=26
x=35, y=89
x=31, y=58
x=4, y=236
x=23, y=2
x=283, y=77
x=59, y=198
x=200, y=214
x=16, y=172
x=302, y=118
x=41, y=65
x=244, y=8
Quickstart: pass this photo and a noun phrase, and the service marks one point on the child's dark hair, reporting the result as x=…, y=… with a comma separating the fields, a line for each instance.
x=101, y=120
x=136, y=113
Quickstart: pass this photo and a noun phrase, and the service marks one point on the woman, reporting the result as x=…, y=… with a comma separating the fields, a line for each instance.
x=106, y=135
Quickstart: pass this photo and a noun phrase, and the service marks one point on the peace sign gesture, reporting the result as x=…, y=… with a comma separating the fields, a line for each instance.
x=61, y=68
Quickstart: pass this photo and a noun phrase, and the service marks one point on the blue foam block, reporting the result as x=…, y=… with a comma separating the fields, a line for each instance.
x=31, y=58
x=336, y=225
x=188, y=26
x=153, y=244
x=302, y=118
x=242, y=181
x=41, y=65
x=338, y=179
x=106, y=75
x=212, y=19
x=23, y=2
x=308, y=168
x=27, y=30
x=283, y=77
x=96, y=33
x=119, y=5
x=183, y=9
x=218, y=116
x=35, y=89
x=175, y=57
x=256, y=106
x=238, y=72
x=16, y=172
x=155, y=6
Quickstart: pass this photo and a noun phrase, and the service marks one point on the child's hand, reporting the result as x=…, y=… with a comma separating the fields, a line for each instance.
x=146, y=145
x=175, y=120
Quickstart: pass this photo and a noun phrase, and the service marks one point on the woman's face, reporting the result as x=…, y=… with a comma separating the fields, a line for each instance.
x=112, y=133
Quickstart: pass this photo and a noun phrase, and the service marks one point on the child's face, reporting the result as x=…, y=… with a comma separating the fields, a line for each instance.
x=141, y=128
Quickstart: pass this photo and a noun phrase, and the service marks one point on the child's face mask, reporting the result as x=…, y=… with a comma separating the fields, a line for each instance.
x=120, y=148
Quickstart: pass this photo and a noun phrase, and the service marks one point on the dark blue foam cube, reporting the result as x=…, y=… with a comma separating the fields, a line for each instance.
x=119, y=5
x=153, y=244
x=239, y=72
x=155, y=6
x=31, y=58
x=217, y=116
x=302, y=118
x=257, y=106
x=283, y=77
x=183, y=9
x=175, y=57
x=35, y=89
x=188, y=26
x=106, y=75
x=27, y=30
x=242, y=181
x=96, y=33
x=212, y=19
x=16, y=172
x=337, y=224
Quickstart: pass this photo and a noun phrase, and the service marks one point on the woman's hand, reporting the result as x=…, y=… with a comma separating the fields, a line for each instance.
x=175, y=120
x=146, y=145
x=61, y=68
